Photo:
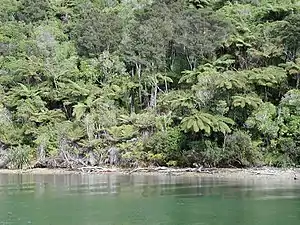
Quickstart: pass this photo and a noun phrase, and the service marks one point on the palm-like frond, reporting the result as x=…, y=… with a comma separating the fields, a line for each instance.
x=268, y=76
x=242, y=101
x=231, y=80
x=207, y=122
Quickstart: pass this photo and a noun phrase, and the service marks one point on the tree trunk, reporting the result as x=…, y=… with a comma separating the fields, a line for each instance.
x=155, y=94
x=166, y=85
x=132, y=108
x=153, y=97
x=190, y=63
x=266, y=93
x=139, y=73
x=297, y=80
x=224, y=142
x=41, y=152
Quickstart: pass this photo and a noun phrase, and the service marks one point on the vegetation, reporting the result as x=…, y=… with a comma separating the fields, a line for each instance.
x=161, y=82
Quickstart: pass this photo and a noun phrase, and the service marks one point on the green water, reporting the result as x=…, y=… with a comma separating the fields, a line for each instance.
x=146, y=200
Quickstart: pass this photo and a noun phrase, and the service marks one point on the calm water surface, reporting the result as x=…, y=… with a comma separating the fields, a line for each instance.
x=146, y=200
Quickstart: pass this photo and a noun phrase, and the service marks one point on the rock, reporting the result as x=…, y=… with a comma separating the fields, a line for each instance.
x=4, y=160
x=113, y=154
x=91, y=159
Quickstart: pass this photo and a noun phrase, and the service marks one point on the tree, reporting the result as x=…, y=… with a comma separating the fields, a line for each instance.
x=33, y=10
x=7, y=9
x=161, y=82
x=207, y=122
x=243, y=101
x=145, y=45
x=198, y=34
x=98, y=31
x=289, y=33
x=293, y=69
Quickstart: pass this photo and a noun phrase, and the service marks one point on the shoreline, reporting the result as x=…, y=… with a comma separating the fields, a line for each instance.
x=264, y=172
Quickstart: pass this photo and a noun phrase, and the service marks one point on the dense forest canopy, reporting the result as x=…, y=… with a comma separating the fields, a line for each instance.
x=161, y=82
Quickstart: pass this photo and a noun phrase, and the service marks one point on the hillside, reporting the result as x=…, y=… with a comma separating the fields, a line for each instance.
x=139, y=83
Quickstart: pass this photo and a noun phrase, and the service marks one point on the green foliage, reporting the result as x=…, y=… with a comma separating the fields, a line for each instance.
x=165, y=147
x=7, y=9
x=290, y=114
x=97, y=31
x=206, y=122
x=33, y=10
x=289, y=31
x=204, y=152
x=230, y=80
x=293, y=69
x=267, y=77
x=19, y=157
x=284, y=153
x=173, y=83
x=141, y=121
x=123, y=132
x=240, y=150
x=264, y=119
x=200, y=32
x=243, y=101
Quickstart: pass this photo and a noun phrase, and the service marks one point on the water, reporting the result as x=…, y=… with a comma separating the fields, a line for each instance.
x=146, y=200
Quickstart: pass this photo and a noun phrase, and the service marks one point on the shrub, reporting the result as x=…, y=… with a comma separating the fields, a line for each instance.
x=283, y=153
x=165, y=146
x=204, y=152
x=240, y=150
x=19, y=157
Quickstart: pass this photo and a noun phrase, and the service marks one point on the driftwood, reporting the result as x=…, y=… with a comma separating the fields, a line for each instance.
x=263, y=172
x=174, y=170
x=95, y=169
x=60, y=162
x=165, y=170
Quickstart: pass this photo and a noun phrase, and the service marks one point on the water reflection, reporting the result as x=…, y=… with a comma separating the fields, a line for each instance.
x=145, y=186
x=111, y=199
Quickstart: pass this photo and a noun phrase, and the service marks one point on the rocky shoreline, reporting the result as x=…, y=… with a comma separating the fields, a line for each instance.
x=264, y=172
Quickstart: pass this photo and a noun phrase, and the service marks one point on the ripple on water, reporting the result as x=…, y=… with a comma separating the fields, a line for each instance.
x=101, y=200
x=14, y=188
x=278, y=197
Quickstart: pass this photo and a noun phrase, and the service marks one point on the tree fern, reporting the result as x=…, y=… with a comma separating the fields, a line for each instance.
x=243, y=101
x=293, y=69
x=268, y=76
x=231, y=80
x=206, y=122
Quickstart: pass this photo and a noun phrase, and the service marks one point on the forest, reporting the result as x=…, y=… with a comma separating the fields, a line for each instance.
x=130, y=83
